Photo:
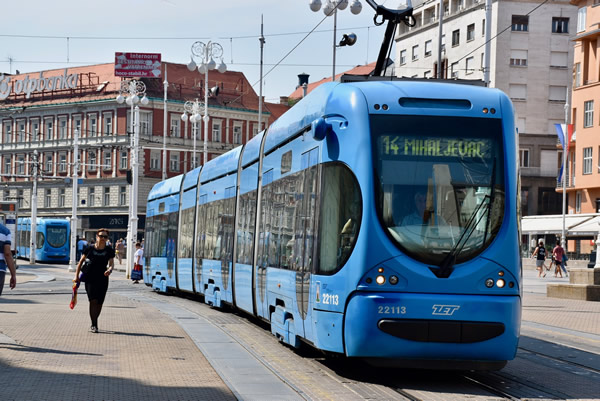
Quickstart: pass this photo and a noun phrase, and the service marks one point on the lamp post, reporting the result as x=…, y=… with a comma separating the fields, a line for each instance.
x=331, y=8
x=74, y=224
x=193, y=108
x=207, y=53
x=133, y=89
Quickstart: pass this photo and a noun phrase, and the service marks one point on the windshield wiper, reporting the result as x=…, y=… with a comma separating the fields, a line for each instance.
x=446, y=267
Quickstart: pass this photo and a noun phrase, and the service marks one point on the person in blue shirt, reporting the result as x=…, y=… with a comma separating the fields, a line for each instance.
x=6, y=259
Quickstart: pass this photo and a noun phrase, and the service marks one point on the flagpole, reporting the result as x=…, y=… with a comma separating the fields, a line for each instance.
x=566, y=139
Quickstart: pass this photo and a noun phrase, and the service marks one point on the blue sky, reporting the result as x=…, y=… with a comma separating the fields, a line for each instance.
x=96, y=30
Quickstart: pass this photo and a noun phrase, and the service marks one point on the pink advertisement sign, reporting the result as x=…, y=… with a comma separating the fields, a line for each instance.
x=142, y=65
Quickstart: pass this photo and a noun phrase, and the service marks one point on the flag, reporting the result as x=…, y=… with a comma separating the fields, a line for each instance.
x=565, y=140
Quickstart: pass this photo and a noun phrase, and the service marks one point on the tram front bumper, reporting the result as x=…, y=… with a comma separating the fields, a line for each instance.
x=432, y=326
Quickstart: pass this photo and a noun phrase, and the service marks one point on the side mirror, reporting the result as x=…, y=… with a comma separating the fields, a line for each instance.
x=320, y=129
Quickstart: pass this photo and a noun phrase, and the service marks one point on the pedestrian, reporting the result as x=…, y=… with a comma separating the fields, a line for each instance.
x=558, y=253
x=6, y=259
x=120, y=250
x=81, y=244
x=101, y=266
x=138, y=259
x=540, y=254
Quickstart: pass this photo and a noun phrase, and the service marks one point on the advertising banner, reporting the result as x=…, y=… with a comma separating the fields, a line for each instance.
x=141, y=65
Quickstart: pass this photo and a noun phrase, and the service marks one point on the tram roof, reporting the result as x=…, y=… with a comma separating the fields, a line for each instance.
x=169, y=186
x=191, y=178
x=252, y=149
x=224, y=164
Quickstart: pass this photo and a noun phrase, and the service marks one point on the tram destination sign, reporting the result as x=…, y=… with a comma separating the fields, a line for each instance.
x=140, y=65
x=396, y=145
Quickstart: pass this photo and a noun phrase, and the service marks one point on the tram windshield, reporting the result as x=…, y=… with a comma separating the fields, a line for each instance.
x=56, y=235
x=440, y=184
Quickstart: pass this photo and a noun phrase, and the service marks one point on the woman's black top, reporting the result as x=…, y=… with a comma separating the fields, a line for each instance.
x=99, y=258
x=541, y=253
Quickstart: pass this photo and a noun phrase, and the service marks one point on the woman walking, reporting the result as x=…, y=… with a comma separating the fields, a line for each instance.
x=540, y=254
x=102, y=262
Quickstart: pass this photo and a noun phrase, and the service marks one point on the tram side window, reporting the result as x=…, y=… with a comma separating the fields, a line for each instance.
x=227, y=224
x=40, y=240
x=212, y=247
x=161, y=229
x=172, y=234
x=247, y=221
x=150, y=239
x=341, y=212
x=264, y=235
x=187, y=233
x=201, y=227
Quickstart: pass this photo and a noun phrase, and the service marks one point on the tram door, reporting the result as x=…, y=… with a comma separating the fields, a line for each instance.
x=305, y=231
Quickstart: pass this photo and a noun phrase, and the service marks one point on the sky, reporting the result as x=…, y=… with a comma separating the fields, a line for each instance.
x=40, y=35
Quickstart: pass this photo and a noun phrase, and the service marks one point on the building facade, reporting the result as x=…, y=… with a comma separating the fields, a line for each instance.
x=41, y=112
x=530, y=60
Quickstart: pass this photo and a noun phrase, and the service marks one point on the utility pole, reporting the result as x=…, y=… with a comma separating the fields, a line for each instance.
x=72, y=258
x=33, y=235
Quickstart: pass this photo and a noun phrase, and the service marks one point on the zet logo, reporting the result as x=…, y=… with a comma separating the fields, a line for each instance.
x=445, y=310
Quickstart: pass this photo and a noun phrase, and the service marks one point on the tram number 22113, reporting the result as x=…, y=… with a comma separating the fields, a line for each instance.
x=331, y=299
x=391, y=310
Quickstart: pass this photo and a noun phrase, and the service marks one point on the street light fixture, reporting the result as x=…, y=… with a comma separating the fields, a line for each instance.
x=193, y=108
x=207, y=53
x=331, y=8
x=130, y=93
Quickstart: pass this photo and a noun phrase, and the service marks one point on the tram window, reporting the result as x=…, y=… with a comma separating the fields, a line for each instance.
x=341, y=212
x=40, y=240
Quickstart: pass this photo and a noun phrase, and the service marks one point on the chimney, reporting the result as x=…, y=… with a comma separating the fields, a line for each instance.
x=283, y=100
x=302, y=79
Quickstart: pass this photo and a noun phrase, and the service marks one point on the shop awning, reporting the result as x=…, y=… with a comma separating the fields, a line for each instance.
x=552, y=224
x=588, y=228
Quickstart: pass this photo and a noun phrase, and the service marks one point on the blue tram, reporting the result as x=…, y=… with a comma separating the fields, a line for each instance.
x=374, y=219
x=52, y=239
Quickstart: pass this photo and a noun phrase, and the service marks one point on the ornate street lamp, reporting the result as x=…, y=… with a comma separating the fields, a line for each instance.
x=193, y=108
x=207, y=53
x=130, y=93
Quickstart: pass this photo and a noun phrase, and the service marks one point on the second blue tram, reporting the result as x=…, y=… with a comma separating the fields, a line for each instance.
x=374, y=219
x=51, y=243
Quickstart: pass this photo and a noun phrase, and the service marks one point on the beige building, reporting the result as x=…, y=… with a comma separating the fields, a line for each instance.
x=531, y=60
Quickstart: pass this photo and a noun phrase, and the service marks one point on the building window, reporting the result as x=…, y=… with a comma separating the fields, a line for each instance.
x=470, y=65
x=145, y=123
x=174, y=162
x=581, y=14
x=7, y=133
x=454, y=70
x=517, y=91
x=20, y=199
x=154, y=160
x=35, y=131
x=49, y=127
x=560, y=25
x=415, y=52
x=106, y=196
x=577, y=75
x=588, y=114
x=237, y=134
x=7, y=164
x=91, y=197
x=62, y=128
x=558, y=59
x=93, y=128
x=520, y=23
x=122, y=196
x=455, y=37
x=6, y=194
x=62, y=165
x=123, y=160
x=48, y=163
x=470, y=32
x=402, y=57
x=107, y=165
x=61, y=197
x=216, y=131
x=175, y=121
x=427, y=48
x=524, y=157
x=195, y=160
x=92, y=160
x=21, y=132
x=587, y=160
x=518, y=57
x=48, y=198
x=20, y=164
x=108, y=129
x=483, y=27
x=578, y=202
x=77, y=126
x=558, y=94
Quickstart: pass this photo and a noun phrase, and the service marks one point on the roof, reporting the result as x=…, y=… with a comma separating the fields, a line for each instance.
x=276, y=109
x=589, y=228
x=553, y=224
x=358, y=70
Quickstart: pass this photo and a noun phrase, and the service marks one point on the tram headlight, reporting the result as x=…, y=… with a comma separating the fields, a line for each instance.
x=380, y=280
x=489, y=283
x=500, y=283
x=393, y=280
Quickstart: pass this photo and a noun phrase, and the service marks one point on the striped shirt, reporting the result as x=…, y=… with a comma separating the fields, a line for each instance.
x=4, y=240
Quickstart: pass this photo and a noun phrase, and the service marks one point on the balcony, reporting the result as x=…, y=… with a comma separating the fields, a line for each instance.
x=570, y=183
